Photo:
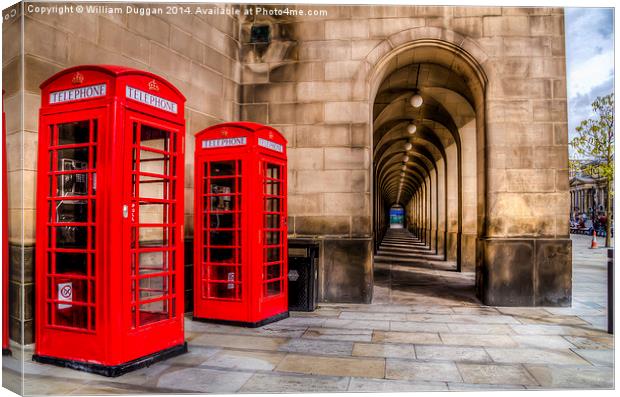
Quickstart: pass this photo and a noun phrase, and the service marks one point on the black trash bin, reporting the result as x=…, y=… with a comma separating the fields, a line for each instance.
x=303, y=261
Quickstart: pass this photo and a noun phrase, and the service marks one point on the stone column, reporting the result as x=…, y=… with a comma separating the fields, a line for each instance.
x=526, y=257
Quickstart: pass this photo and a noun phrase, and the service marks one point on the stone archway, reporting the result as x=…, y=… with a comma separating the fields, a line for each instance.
x=438, y=172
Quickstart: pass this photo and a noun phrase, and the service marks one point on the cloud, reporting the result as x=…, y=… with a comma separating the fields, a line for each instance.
x=589, y=58
x=580, y=106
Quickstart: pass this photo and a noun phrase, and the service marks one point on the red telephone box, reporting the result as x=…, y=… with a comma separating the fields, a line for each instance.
x=240, y=231
x=5, y=242
x=109, y=249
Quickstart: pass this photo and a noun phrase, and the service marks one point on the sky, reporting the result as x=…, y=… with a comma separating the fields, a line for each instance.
x=589, y=60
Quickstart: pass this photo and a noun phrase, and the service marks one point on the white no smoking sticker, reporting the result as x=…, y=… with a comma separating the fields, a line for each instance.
x=65, y=294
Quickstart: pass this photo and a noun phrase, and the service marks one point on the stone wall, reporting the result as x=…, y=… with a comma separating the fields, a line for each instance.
x=312, y=80
x=303, y=82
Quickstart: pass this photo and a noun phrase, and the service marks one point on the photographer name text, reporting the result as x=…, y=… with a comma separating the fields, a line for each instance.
x=41, y=9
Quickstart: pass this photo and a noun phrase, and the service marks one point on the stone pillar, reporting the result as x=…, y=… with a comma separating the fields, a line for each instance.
x=526, y=258
x=21, y=141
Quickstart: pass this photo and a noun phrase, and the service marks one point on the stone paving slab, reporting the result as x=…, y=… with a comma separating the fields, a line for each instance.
x=44, y=385
x=452, y=353
x=573, y=377
x=598, y=357
x=352, y=335
x=539, y=329
x=591, y=342
x=471, y=387
x=485, y=329
x=546, y=342
x=419, y=370
x=384, y=350
x=552, y=319
x=333, y=366
x=406, y=337
x=478, y=311
x=313, y=346
x=320, y=312
x=204, y=380
x=495, y=374
x=275, y=329
x=599, y=322
x=385, y=386
x=357, y=324
x=11, y=380
x=346, y=315
x=288, y=383
x=144, y=377
x=196, y=355
x=302, y=322
x=477, y=340
x=535, y=356
x=418, y=327
x=240, y=341
x=248, y=360
x=119, y=388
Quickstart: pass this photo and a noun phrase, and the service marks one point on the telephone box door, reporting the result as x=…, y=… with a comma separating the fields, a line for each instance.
x=152, y=210
x=222, y=283
x=70, y=282
x=273, y=237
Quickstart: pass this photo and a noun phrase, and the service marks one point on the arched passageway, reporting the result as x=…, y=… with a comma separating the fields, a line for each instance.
x=428, y=155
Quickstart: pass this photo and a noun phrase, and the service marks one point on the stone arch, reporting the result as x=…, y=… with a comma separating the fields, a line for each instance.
x=463, y=118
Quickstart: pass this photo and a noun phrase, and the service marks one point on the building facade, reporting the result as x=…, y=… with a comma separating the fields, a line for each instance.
x=588, y=195
x=484, y=177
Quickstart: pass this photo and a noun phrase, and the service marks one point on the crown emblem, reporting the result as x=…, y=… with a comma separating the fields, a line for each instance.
x=224, y=133
x=78, y=78
x=270, y=135
x=153, y=85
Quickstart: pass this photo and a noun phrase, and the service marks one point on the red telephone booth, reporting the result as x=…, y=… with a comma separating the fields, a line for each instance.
x=5, y=242
x=240, y=231
x=109, y=249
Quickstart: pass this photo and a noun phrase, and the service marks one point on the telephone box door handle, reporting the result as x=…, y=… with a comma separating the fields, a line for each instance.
x=125, y=211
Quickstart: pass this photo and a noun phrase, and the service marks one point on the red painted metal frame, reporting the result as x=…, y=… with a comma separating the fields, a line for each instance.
x=254, y=307
x=112, y=339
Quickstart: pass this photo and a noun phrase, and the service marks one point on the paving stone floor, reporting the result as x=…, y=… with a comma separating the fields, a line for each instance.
x=425, y=331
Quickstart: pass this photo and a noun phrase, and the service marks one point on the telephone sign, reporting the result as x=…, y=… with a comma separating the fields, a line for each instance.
x=75, y=94
x=270, y=145
x=151, y=100
x=223, y=142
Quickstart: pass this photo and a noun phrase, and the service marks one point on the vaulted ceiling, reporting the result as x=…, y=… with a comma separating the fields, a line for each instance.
x=404, y=160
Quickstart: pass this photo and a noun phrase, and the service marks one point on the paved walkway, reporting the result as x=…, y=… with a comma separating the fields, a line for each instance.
x=425, y=331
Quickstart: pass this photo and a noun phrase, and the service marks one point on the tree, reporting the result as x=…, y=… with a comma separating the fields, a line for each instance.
x=594, y=143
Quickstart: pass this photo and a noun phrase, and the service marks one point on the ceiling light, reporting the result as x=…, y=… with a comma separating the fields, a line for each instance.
x=411, y=128
x=416, y=100
x=408, y=146
x=405, y=159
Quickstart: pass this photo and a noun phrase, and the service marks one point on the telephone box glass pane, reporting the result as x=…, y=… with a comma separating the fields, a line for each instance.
x=273, y=288
x=153, y=312
x=74, y=133
x=153, y=205
x=72, y=231
x=221, y=268
x=272, y=229
x=75, y=263
x=224, y=168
